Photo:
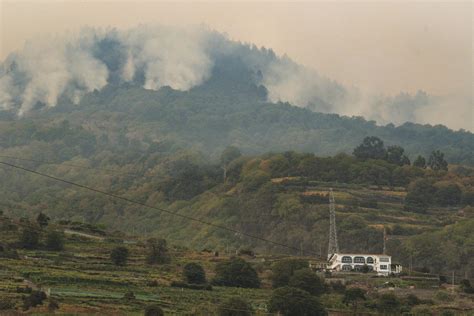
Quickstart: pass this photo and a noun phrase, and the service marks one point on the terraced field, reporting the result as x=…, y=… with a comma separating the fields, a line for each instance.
x=378, y=205
x=83, y=280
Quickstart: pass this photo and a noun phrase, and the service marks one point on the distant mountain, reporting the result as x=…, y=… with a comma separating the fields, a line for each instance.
x=146, y=86
x=229, y=109
x=48, y=72
x=45, y=72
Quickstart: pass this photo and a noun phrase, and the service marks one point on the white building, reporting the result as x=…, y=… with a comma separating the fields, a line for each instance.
x=355, y=262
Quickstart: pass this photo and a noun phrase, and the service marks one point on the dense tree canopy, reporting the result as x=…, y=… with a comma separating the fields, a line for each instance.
x=283, y=270
x=436, y=161
x=236, y=272
x=157, y=251
x=395, y=155
x=42, y=220
x=420, y=162
x=29, y=238
x=389, y=304
x=119, y=255
x=290, y=301
x=194, y=273
x=371, y=148
x=55, y=240
x=307, y=280
x=263, y=195
x=353, y=296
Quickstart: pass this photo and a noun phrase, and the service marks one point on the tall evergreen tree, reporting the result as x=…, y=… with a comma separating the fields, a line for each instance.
x=420, y=162
x=437, y=161
x=371, y=148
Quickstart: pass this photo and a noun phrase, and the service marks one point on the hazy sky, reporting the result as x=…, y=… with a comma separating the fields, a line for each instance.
x=386, y=47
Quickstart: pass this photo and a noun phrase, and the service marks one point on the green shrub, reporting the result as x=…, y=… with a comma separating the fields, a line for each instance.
x=119, y=255
x=42, y=220
x=388, y=304
x=129, y=296
x=466, y=286
x=152, y=283
x=29, y=238
x=236, y=272
x=467, y=198
x=55, y=241
x=157, y=251
x=246, y=252
x=352, y=295
x=443, y=296
x=27, y=290
x=34, y=299
x=412, y=300
x=194, y=273
x=307, y=280
x=234, y=306
x=420, y=195
x=53, y=305
x=153, y=310
x=338, y=287
x=6, y=252
x=292, y=301
x=6, y=304
x=448, y=195
x=284, y=269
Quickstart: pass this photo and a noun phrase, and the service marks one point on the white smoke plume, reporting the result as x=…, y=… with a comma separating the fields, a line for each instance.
x=287, y=81
x=55, y=67
x=6, y=87
x=51, y=67
x=171, y=57
x=70, y=66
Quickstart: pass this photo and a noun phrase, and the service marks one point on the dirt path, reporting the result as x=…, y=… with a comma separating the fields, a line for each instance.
x=73, y=232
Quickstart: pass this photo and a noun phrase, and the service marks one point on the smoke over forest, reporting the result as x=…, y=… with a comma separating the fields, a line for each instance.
x=66, y=67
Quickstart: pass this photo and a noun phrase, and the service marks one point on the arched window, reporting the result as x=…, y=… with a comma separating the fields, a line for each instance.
x=346, y=267
x=358, y=267
x=359, y=260
x=370, y=260
x=346, y=259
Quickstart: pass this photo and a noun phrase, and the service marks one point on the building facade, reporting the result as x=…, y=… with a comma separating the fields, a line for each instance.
x=345, y=262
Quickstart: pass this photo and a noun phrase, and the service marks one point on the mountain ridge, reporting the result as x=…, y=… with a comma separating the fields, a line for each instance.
x=154, y=57
x=221, y=113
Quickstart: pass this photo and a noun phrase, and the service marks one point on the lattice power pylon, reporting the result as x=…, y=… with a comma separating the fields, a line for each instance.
x=333, y=245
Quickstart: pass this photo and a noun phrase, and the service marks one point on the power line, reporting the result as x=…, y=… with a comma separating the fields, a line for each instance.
x=155, y=208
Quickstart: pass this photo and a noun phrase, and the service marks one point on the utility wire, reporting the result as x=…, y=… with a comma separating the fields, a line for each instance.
x=156, y=208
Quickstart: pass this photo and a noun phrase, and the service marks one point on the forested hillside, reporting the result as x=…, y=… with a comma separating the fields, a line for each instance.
x=169, y=148
x=278, y=196
x=214, y=93
x=223, y=111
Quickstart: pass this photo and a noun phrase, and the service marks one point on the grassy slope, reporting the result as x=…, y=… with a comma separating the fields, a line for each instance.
x=388, y=212
x=84, y=281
